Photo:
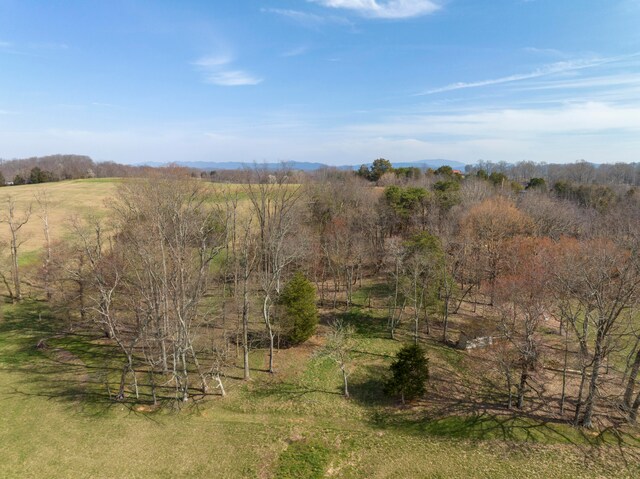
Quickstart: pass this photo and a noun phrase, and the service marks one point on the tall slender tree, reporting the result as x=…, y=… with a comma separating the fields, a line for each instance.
x=15, y=221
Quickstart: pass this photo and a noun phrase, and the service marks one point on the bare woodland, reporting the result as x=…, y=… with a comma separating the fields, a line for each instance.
x=183, y=277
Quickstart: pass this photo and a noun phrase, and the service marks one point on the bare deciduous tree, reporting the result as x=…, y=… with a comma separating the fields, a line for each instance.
x=43, y=198
x=15, y=221
x=598, y=283
x=339, y=348
x=274, y=202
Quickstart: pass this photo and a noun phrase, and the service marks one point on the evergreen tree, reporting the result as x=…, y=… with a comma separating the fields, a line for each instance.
x=444, y=170
x=410, y=372
x=364, y=172
x=379, y=167
x=300, y=314
x=19, y=180
x=36, y=176
x=537, y=183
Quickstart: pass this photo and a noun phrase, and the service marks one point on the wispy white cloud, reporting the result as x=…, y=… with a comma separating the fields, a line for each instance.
x=515, y=123
x=296, y=15
x=232, y=78
x=553, y=52
x=213, y=61
x=33, y=49
x=48, y=46
x=105, y=104
x=216, y=71
x=307, y=19
x=562, y=133
x=546, y=70
x=607, y=81
x=391, y=9
x=295, y=52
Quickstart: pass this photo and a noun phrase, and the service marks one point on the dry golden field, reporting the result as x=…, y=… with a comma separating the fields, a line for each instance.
x=67, y=199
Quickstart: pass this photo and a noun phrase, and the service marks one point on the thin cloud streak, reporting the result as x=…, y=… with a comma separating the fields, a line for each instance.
x=213, y=61
x=384, y=9
x=232, y=78
x=603, y=81
x=306, y=19
x=48, y=46
x=214, y=68
x=295, y=52
x=581, y=118
x=547, y=70
x=545, y=51
x=296, y=15
x=509, y=135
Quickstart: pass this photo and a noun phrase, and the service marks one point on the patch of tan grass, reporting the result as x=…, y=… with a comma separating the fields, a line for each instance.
x=68, y=199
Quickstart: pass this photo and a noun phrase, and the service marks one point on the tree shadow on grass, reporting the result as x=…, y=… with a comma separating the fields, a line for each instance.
x=287, y=390
x=369, y=293
x=367, y=387
x=42, y=361
x=365, y=323
x=518, y=433
x=465, y=411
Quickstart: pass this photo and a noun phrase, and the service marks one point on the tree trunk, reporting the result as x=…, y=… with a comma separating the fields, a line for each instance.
x=15, y=272
x=587, y=419
x=47, y=261
x=524, y=376
x=445, y=324
x=245, y=330
x=123, y=377
x=583, y=380
x=223, y=393
x=345, y=379
x=633, y=414
x=631, y=383
x=564, y=372
x=269, y=326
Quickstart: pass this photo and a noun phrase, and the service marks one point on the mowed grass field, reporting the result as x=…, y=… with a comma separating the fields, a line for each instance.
x=67, y=199
x=57, y=421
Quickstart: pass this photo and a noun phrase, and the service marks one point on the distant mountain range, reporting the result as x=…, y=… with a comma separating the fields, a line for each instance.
x=303, y=165
x=434, y=164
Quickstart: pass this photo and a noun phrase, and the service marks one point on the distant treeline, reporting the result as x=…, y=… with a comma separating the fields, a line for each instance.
x=581, y=172
x=563, y=178
x=44, y=169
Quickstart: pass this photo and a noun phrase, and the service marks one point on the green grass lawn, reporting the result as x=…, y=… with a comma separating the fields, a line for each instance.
x=56, y=421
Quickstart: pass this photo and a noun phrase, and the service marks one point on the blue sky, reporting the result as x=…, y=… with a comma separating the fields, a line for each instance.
x=335, y=81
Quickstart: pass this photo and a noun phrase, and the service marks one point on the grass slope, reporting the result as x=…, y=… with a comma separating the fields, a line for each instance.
x=68, y=199
x=56, y=421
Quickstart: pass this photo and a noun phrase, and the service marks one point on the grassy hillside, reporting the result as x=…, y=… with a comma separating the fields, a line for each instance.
x=57, y=419
x=68, y=198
